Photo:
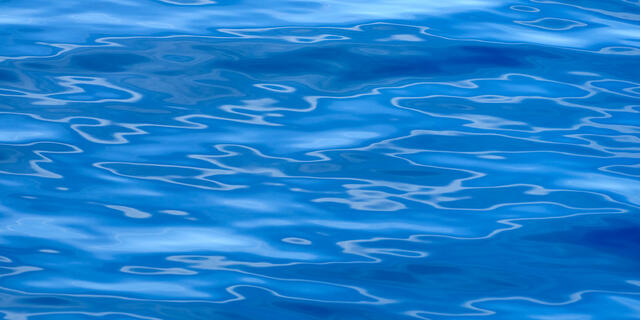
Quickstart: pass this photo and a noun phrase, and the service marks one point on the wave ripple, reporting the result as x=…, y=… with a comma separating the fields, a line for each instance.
x=197, y=159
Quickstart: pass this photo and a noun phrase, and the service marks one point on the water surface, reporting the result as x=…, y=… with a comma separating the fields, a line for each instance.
x=192, y=159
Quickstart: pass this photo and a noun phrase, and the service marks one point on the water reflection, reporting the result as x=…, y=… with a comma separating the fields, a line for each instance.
x=390, y=159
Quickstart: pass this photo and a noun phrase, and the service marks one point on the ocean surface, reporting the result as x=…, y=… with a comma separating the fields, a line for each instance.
x=323, y=159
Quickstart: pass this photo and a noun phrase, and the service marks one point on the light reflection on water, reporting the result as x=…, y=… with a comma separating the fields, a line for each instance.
x=319, y=159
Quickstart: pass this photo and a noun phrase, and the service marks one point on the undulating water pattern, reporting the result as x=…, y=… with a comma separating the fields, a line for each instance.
x=283, y=159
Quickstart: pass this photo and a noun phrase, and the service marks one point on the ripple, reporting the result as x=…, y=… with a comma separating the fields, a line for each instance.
x=524, y=8
x=293, y=240
x=194, y=159
x=555, y=24
x=189, y=2
x=130, y=212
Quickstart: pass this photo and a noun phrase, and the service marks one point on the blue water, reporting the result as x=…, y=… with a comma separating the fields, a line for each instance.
x=284, y=159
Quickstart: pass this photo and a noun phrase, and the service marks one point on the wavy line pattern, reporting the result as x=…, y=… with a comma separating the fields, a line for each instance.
x=197, y=159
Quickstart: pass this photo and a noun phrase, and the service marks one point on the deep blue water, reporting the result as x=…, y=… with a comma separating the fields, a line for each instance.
x=284, y=159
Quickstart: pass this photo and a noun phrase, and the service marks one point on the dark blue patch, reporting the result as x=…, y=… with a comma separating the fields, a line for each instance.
x=107, y=62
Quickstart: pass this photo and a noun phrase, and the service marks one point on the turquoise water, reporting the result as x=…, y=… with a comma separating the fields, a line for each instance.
x=242, y=159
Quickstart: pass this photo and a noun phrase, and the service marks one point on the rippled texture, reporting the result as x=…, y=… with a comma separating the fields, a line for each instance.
x=242, y=159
